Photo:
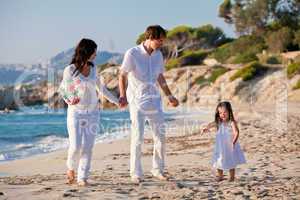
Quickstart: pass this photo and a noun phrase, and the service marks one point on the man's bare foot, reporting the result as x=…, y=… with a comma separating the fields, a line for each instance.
x=161, y=177
x=136, y=180
x=71, y=176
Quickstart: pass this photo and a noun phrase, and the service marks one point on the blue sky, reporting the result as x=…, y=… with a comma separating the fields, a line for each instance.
x=34, y=30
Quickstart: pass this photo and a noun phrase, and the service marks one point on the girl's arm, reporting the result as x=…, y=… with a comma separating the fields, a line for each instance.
x=236, y=131
x=104, y=91
x=208, y=127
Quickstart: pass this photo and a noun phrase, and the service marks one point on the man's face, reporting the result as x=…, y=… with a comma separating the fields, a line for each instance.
x=157, y=43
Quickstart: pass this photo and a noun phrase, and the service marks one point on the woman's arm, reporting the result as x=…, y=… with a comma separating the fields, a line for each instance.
x=64, y=88
x=104, y=91
x=236, y=131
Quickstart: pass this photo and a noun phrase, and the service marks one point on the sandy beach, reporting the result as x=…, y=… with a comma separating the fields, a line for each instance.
x=272, y=170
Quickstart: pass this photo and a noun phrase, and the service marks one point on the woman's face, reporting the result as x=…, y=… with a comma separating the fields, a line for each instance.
x=93, y=56
x=223, y=113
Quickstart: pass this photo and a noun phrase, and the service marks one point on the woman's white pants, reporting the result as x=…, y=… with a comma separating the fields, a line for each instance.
x=82, y=128
x=156, y=122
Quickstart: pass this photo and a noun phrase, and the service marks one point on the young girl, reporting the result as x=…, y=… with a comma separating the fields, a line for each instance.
x=79, y=88
x=227, y=152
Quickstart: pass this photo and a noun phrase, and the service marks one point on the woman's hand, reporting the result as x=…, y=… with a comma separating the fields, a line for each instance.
x=73, y=101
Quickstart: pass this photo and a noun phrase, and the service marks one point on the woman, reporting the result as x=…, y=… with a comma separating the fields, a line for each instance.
x=80, y=87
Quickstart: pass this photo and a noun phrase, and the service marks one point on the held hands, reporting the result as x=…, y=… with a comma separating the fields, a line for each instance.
x=73, y=101
x=123, y=102
x=173, y=101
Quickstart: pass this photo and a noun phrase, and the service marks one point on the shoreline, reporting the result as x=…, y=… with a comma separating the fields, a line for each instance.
x=272, y=170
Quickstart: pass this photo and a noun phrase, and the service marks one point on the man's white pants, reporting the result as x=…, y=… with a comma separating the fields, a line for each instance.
x=156, y=122
x=82, y=128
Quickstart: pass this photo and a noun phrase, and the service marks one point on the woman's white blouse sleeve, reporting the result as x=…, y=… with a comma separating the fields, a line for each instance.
x=104, y=91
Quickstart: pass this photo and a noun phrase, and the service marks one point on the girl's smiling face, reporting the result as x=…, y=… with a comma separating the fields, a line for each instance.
x=223, y=113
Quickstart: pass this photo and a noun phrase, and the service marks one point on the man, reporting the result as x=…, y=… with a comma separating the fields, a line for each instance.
x=143, y=68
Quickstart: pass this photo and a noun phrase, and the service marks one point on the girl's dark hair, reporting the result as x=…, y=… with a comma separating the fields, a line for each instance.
x=83, y=52
x=155, y=32
x=227, y=106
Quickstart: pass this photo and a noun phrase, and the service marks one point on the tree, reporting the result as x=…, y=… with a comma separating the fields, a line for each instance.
x=255, y=16
x=280, y=40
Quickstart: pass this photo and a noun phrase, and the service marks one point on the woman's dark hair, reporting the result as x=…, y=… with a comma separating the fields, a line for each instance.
x=155, y=32
x=83, y=52
x=227, y=106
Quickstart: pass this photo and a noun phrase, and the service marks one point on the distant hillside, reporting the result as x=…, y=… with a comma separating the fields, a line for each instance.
x=62, y=59
x=10, y=73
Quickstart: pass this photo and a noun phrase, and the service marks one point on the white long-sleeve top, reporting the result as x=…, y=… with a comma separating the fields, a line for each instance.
x=85, y=88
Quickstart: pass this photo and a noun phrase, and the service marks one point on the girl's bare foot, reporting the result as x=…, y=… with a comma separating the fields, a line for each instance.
x=219, y=178
x=71, y=176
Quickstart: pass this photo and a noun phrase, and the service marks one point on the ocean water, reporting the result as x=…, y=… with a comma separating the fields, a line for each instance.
x=36, y=130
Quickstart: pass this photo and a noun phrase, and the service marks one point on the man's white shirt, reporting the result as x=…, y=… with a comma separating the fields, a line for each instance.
x=143, y=70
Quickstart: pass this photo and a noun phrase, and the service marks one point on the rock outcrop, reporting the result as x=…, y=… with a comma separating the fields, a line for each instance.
x=271, y=87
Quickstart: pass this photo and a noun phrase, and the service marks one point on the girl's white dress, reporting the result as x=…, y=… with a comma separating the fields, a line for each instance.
x=226, y=156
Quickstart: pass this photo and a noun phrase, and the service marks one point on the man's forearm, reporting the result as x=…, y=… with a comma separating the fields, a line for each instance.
x=164, y=86
x=122, y=85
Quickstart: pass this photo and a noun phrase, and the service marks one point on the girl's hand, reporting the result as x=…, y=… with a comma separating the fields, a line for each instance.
x=205, y=129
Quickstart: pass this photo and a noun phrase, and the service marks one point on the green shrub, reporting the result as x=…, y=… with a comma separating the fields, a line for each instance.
x=243, y=49
x=293, y=69
x=245, y=58
x=297, y=86
x=270, y=58
x=222, y=53
x=248, y=72
x=140, y=39
x=182, y=29
x=187, y=58
x=217, y=71
x=201, y=80
x=192, y=57
x=273, y=60
x=172, y=63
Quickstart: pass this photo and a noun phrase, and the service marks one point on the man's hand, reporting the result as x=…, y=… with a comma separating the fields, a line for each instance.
x=123, y=102
x=73, y=101
x=173, y=101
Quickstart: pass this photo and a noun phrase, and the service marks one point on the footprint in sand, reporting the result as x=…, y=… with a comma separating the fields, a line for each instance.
x=71, y=193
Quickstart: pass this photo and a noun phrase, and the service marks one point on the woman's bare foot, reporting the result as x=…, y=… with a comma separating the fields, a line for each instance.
x=231, y=173
x=71, y=176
